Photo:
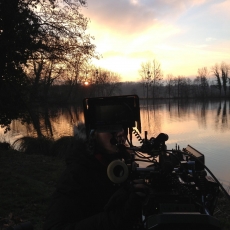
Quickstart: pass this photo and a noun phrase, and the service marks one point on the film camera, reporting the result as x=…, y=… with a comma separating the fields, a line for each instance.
x=182, y=191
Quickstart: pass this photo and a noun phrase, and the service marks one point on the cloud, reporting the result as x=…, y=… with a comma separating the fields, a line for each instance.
x=182, y=35
x=133, y=16
x=121, y=16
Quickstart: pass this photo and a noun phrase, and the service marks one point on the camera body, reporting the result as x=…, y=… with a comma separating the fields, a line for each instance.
x=181, y=193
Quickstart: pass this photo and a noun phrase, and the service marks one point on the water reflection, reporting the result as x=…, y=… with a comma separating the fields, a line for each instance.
x=53, y=122
x=204, y=112
x=221, y=121
x=204, y=125
x=58, y=121
x=151, y=118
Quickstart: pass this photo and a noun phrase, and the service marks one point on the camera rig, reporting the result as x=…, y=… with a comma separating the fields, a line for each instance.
x=183, y=192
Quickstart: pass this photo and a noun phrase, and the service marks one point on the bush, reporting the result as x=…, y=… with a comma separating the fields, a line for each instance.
x=34, y=145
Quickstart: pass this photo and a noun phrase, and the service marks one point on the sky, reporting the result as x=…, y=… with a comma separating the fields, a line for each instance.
x=181, y=35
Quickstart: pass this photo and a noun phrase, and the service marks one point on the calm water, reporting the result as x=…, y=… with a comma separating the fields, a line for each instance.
x=205, y=126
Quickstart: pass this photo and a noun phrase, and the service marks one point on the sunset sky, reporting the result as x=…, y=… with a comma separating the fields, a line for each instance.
x=183, y=35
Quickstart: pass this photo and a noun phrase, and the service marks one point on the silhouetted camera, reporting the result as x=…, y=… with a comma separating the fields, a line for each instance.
x=182, y=195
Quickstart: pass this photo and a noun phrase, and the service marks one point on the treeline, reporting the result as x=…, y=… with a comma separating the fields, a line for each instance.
x=209, y=83
x=178, y=87
x=187, y=88
x=213, y=82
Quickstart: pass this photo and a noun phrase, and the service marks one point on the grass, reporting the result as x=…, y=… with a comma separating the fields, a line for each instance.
x=27, y=180
x=222, y=211
x=26, y=185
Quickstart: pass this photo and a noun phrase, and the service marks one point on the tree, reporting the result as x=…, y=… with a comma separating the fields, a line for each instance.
x=18, y=30
x=23, y=29
x=169, y=84
x=178, y=83
x=146, y=77
x=68, y=48
x=224, y=75
x=216, y=72
x=105, y=83
x=151, y=75
x=202, y=82
x=36, y=37
x=185, y=87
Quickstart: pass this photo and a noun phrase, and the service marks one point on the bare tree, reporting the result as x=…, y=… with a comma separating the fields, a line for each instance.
x=145, y=77
x=169, y=84
x=68, y=47
x=224, y=74
x=104, y=82
x=216, y=72
x=151, y=75
x=157, y=76
x=185, y=87
x=178, y=83
x=202, y=82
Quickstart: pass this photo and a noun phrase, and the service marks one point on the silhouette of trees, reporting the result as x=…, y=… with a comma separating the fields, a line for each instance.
x=222, y=79
x=151, y=75
x=69, y=48
x=201, y=81
x=104, y=83
x=224, y=75
x=169, y=84
x=39, y=41
x=216, y=72
x=185, y=87
x=38, y=37
x=146, y=77
x=19, y=35
x=178, y=83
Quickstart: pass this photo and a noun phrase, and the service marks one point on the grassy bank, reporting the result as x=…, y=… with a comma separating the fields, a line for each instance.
x=26, y=185
x=27, y=182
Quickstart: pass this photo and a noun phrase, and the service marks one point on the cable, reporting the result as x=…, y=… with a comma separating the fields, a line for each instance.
x=144, y=160
x=138, y=136
x=139, y=154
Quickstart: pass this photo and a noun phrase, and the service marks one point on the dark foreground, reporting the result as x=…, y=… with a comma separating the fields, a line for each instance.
x=27, y=182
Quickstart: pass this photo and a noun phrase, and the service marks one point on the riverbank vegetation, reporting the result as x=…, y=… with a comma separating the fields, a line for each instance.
x=29, y=177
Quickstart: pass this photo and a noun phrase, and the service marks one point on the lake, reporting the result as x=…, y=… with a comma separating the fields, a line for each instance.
x=203, y=125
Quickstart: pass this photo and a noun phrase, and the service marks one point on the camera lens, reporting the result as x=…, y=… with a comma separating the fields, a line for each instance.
x=118, y=171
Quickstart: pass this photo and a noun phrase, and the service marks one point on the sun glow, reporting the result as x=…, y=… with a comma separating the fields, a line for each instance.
x=182, y=39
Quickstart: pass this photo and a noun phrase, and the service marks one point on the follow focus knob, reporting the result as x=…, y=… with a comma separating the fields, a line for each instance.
x=117, y=171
